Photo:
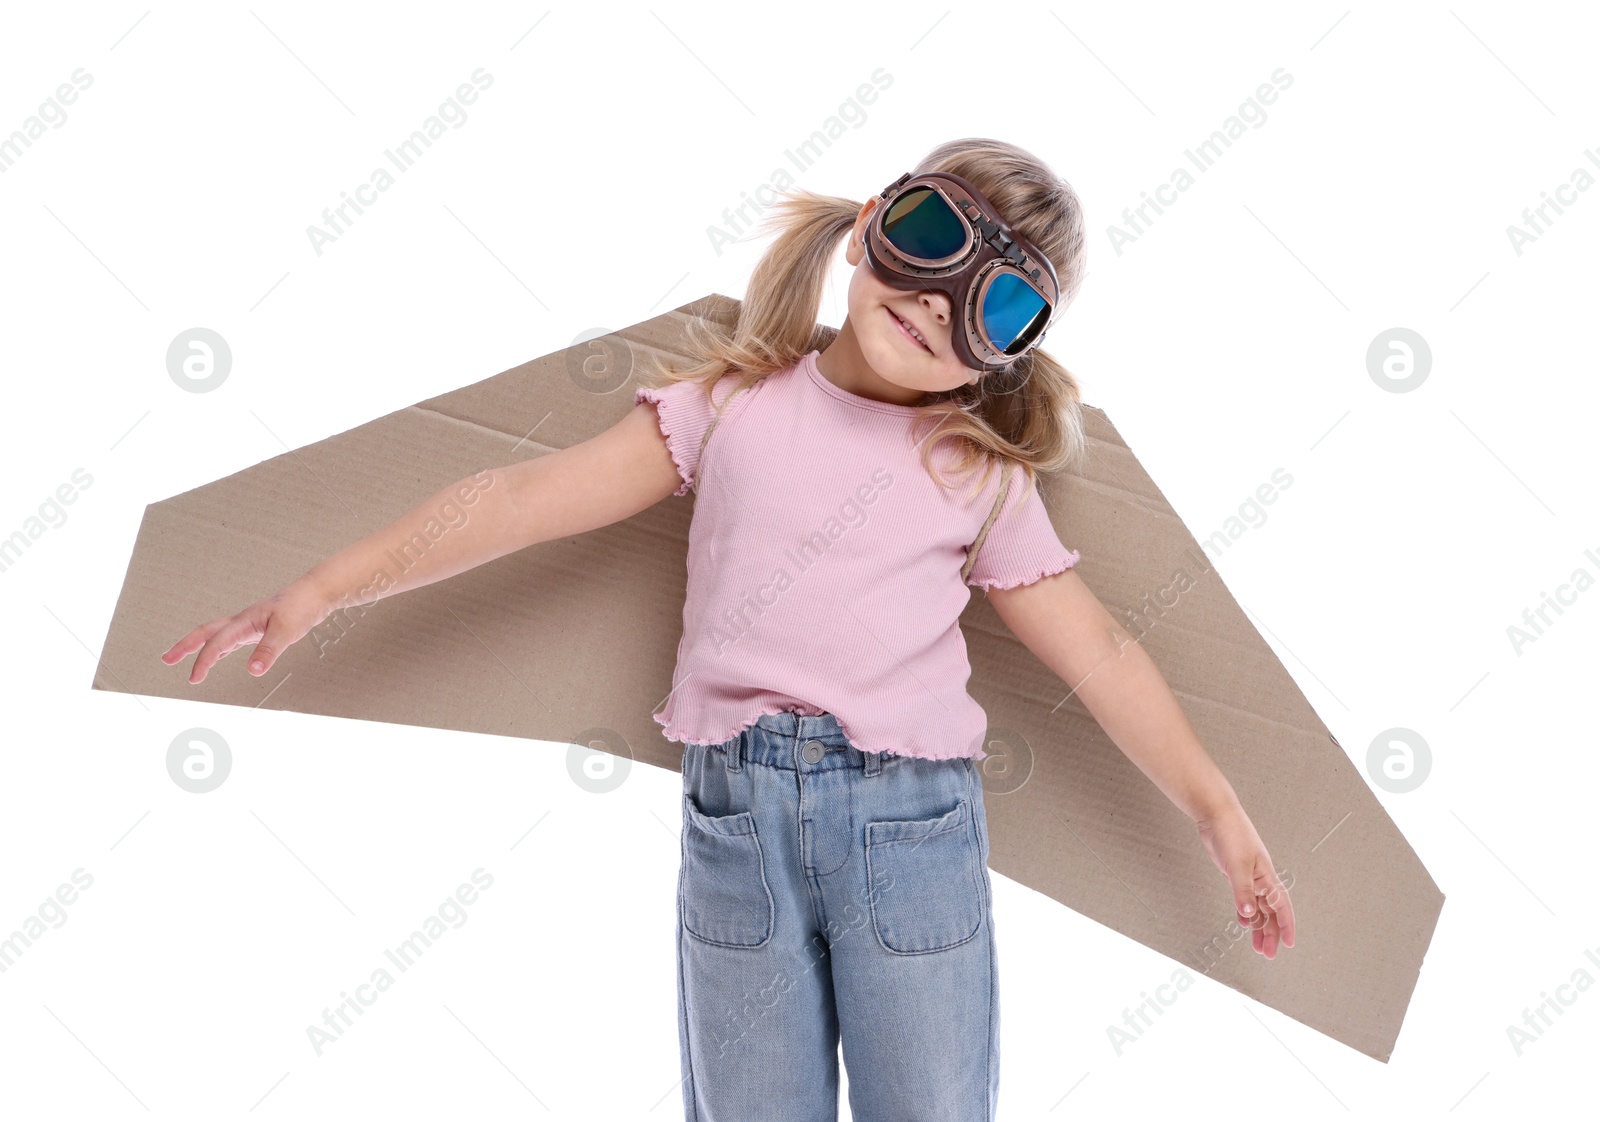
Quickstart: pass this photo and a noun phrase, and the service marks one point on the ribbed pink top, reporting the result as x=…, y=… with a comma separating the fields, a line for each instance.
x=825, y=566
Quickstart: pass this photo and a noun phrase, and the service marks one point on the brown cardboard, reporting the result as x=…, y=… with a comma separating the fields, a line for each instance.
x=573, y=639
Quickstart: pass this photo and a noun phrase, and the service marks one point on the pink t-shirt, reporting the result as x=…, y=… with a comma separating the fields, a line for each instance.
x=825, y=566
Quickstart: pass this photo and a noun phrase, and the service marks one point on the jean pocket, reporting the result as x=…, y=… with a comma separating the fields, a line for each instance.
x=929, y=897
x=723, y=897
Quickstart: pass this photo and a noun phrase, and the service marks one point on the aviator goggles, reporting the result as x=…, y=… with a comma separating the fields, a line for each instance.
x=936, y=231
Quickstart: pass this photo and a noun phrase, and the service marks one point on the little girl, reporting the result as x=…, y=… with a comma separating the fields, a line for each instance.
x=833, y=889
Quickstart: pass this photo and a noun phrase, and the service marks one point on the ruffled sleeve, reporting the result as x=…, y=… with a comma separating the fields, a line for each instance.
x=684, y=411
x=1022, y=546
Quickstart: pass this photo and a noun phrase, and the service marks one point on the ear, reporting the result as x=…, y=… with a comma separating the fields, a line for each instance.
x=856, y=245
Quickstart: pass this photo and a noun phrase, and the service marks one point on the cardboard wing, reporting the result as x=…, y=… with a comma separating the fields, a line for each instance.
x=574, y=641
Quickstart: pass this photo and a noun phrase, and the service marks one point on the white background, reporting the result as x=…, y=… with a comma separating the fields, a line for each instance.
x=1227, y=341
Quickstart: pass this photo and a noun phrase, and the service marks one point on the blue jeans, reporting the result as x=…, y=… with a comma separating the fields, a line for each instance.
x=829, y=897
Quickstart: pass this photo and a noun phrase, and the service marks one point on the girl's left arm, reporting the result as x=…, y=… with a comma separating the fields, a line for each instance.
x=1071, y=632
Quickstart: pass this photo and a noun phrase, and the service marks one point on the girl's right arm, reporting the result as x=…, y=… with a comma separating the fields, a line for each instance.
x=605, y=479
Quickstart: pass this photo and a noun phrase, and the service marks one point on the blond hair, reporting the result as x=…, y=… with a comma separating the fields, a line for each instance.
x=1028, y=413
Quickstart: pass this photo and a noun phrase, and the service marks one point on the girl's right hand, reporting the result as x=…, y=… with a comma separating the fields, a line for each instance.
x=278, y=621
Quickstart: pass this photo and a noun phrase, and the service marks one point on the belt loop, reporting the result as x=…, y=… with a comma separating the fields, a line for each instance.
x=874, y=763
x=736, y=750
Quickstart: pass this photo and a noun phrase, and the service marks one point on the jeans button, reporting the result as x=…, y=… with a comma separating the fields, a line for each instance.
x=812, y=751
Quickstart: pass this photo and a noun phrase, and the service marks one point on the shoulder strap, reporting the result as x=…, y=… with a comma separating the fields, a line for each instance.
x=706, y=439
x=999, y=502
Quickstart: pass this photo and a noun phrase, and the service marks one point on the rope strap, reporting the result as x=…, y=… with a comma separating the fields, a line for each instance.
x=999, y=502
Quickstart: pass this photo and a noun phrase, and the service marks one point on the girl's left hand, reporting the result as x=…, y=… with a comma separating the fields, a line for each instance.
x=1259, y=897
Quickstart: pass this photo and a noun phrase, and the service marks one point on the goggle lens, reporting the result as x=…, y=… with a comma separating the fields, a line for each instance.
x=920, y=224
x=1013, y=313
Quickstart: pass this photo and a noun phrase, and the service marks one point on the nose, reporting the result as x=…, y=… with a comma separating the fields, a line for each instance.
x=937, y=303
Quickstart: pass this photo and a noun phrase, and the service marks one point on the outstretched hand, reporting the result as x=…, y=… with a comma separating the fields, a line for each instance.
x=273, y=623
x=1260, y=900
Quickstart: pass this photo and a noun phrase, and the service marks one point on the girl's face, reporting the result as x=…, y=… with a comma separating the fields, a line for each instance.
x=894, y=366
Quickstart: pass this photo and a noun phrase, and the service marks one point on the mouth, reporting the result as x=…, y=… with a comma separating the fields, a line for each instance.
x=908, y=332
